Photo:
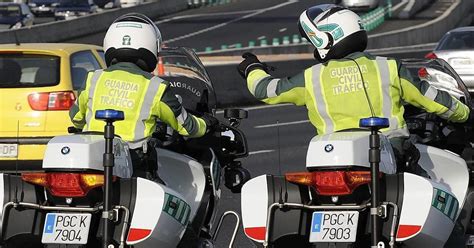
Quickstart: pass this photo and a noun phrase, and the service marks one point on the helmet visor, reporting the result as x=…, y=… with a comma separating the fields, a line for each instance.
x=317, y=10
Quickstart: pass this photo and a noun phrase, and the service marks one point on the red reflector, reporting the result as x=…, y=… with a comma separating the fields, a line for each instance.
x=331, y=182
x=257, y=233
x=65, y=184
x=405, y=231
x=38, y=101
x=423, y=73
x=136, y=234
x=431, y=55
x=62, y=100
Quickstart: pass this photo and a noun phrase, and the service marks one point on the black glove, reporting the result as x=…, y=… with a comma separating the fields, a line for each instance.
x=250, y=63
x=470, y=119
x=211, y=122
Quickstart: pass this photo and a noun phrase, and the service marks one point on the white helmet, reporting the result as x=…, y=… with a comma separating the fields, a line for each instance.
x=133, y=38
x=334, y=31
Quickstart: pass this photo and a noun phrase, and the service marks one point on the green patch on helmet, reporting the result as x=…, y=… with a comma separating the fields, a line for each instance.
x=318, y=42
x=126, y=40
x=334, y=29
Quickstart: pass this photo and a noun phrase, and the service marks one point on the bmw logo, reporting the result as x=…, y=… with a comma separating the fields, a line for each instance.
x=65, y=150
x=329, y=148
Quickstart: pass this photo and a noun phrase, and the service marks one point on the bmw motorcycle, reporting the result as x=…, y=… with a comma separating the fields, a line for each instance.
x=86, y=195
x=332, y=203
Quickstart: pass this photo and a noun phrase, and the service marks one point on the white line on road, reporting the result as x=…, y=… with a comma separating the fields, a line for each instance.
x=260, y=107
x=231, y=21
x=204, y=15
x=282, y=124
x=261, y=37
x=282, y=30
x=260, y=152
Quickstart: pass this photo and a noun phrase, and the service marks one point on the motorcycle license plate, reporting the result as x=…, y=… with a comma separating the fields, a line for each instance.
x=66, y=228
x=9, y=150
x=334, y=226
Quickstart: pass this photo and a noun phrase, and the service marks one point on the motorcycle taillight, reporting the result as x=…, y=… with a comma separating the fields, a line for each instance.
x=65, y=184
x=431, y=55
x=331, y=183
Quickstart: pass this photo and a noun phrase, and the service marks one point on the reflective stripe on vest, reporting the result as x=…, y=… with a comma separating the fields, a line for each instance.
x=394, y=130
x=93, y=83
x=320, y=101
x=387, y=106
x=147, y=105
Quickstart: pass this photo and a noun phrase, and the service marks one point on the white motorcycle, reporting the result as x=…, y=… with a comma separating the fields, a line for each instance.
x=75, y=202
x=343, y=200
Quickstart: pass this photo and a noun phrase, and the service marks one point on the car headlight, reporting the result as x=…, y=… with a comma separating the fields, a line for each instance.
x=32, y=4
x=17, y=25
x=61, y=13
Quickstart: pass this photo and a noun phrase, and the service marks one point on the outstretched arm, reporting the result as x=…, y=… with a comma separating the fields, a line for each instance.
x=422, y=95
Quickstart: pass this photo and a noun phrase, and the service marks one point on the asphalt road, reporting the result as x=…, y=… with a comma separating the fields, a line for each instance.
x=238, y=23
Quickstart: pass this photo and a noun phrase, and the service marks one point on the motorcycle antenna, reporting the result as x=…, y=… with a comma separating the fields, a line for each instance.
x=372, y=112
x=278, y=147
x=281, y=201
x=16, y=160
x=374, y=159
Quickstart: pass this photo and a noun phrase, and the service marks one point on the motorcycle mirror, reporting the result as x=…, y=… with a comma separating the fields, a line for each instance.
x=236, y=114
x=235, y=178
x=73, y=130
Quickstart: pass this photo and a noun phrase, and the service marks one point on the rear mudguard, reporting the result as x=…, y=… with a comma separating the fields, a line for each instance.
x=423, y=207
x=292, y=226
x=426, y=207
x=158, y=215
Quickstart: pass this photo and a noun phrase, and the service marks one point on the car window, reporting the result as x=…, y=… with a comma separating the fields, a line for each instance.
x=81, y=63
x=25, y=70
x=457, y=41
x=101, y=54
x=9, y=10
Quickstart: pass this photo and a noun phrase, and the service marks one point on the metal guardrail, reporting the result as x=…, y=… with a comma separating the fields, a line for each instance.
x=370, y=21
x=376, y=17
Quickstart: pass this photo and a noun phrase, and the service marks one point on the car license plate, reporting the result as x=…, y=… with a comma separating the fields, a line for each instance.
x=8, y=150
x=334, y=226
x=462, y=62
x=66, y=228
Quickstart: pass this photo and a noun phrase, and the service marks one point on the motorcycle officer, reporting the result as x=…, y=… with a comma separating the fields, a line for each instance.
x=349, y=84
x=132, y=44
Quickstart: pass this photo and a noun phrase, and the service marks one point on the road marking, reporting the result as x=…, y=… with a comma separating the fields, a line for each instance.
x=260, y=152
x=204, y=15
x=282, y=30
x=282, y=124
x=261, y=37
x=400, y=4
x=231, y=21
x=260, y=107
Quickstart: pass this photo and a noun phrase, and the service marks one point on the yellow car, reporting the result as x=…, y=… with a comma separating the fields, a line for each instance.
x=38, y=85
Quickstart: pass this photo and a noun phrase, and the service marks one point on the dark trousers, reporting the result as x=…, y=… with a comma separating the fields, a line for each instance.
x=145, y=165
x=407, y=156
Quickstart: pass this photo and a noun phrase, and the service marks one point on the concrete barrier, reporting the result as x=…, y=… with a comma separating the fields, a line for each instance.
x=458, y=14
x=431, y=31
x=65, y=30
